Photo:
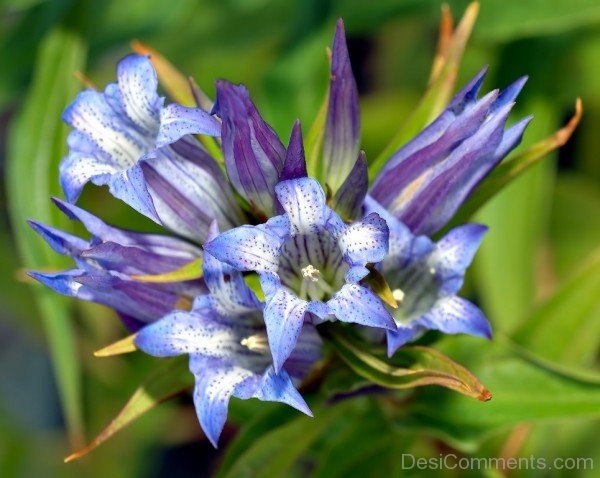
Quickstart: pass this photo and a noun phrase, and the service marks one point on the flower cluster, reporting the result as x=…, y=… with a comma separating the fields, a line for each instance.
x=312, y=251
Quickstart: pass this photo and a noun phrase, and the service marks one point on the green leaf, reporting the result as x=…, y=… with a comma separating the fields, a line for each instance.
x=273, y=454
x=36, y=145
x=566, y=328
x=502, y=22
x=274, y=416
x=505, y=266
x=525, y=391
x=439, y=91
x=170, y=378
x=314, y=140
x=574, y=222
x=425, y=366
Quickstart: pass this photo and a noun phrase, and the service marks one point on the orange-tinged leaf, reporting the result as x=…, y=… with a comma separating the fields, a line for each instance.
x=442, y=83
x=190, y=271
x=420, y=366
x=170, y=379
x=174, y=82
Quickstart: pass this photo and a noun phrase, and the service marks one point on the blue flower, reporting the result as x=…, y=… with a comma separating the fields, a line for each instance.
x=309, y=263
x=425, y=277
x=106, y=263
x=225, y=337
x=126, y=139
x=425, y=182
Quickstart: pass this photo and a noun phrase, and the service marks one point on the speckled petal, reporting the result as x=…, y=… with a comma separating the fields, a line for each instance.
x=455, y=315
x=284, y=315
x=138, y=84
x=247, y=248
x=278, y=387
x=303, y=200
x=177, y=121
x=186, y=333
x=365, y=241
x=454, y=252
x=356, y=304
x=215, y=384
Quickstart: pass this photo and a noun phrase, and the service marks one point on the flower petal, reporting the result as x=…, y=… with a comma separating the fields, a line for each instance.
x=404, y=334
x=156, y=243
x=356, y=304
x=215, y=384
x=278, y=387
x=303, y=200
x=454, y=179
x=189, y=190
x=342, y=131
x=62, y=242
x=349, y=199
x=138, y=95
x=253, y=153
x=366, y=241
x=455, y=315
x=247, y=248
x=177, y=121
x=129, y=185
x=454, y=252
x=186, y=333
x=229, y=294
x=284, y=316
x=294, y=165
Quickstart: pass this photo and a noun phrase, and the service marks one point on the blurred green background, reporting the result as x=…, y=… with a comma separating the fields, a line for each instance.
x=537, y=275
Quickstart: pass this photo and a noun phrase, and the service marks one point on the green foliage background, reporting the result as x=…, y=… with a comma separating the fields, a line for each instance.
x=537, y=275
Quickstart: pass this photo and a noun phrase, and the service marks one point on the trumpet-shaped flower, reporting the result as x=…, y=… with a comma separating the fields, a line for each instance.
x=125, y=138
x=308, y=261
x=425, y=277
x=425, y=182
x=225, y=338
x=106, y=263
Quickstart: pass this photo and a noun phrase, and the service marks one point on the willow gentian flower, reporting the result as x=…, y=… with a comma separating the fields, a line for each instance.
x=225, y=337
x=106, y=266
x=309, y=263
x=425, y=182
x=425, y=276
x=125, y=138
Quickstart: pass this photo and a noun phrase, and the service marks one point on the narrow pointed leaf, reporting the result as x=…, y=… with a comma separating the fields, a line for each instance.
x=37, y=142
x=190, y=271
x=119, y=347
x=271, y=456
x=439, y=91
x=171, y=378
x=427, y=367
x=314, y=139
x=566, y=328
x=513, y=167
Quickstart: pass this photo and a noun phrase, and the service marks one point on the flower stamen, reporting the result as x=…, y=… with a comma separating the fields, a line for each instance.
x=311, y=273
x=256, y=343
